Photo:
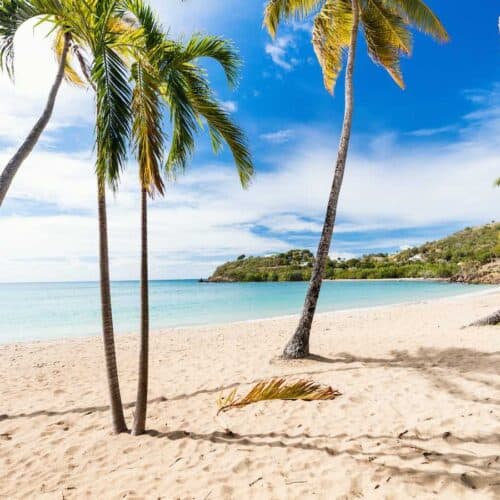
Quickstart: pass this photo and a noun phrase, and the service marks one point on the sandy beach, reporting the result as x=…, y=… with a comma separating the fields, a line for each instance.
x=419, y=414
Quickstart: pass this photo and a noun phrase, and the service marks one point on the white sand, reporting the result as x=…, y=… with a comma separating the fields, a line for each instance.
x=406, y=371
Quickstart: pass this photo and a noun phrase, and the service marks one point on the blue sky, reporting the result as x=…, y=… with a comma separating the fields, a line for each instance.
x=421, y=165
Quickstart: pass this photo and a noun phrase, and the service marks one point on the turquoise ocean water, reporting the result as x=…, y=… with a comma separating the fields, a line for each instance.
x=36, y=311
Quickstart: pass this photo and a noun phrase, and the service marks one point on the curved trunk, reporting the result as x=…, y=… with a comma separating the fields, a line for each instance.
x=142, y=385
x=30, y=142
x=118, y=418
x=298, y=345
x=492, y=319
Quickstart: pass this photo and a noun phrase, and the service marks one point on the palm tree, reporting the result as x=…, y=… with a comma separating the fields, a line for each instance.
x=386, y=26
x=494, y=318
x=166, y=73
x=13, y=14
x=110, y=40
x=98, y=36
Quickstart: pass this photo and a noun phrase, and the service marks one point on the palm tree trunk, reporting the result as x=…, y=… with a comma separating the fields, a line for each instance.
x=118, y=418
x=492, y=319
x=30, y=142
x=298, y=345
x=142, y=385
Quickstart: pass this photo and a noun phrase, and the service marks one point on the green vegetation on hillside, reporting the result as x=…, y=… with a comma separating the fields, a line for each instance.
x=462, y=256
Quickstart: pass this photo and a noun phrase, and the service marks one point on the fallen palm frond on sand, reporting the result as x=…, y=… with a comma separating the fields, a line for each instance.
x=278, y=388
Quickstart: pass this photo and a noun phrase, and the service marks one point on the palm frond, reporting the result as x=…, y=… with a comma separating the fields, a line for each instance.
x=13, y=13
x=113, y=96
x=147, y=131
x=278, y=388
x=188, y=95
x=70, y=75
x=221, y=126
x=418, y=14
x=387, y=37
x=152, y=34
x=216, y=48
x=183, y=118
x=280, y=10
x=331, y=35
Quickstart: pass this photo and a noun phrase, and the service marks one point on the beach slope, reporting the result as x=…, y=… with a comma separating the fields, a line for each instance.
x=419, y=415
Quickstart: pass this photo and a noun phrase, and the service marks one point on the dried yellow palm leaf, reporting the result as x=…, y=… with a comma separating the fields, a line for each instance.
x=278, y=10
x=70, y=75
x=331, y=36
x=387, y=37
x=278, y=388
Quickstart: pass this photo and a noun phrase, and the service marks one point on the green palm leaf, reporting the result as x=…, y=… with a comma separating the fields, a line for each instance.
x=147, y=133
x=216, y=48
x=13, y=13
x=221, y=126
x=113, y=96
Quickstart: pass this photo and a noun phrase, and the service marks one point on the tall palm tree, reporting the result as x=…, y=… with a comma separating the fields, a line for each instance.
x=13, y=14
x=386, y=26
x=110, y=39
x=166, y=73
x=98, y=36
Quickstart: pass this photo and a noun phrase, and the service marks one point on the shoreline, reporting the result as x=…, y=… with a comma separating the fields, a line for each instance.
x=163, y=330
x=418, y=411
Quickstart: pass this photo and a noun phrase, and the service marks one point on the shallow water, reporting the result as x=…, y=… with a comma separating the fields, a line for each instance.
x=36, y=311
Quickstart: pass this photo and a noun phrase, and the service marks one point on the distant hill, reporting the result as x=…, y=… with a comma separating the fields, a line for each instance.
x=471, y=255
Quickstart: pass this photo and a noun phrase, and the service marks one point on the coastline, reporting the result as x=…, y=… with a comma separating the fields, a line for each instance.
x=159, y=331
x=408, y=375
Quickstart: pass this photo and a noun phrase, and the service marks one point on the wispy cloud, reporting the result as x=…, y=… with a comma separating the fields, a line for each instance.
x=35, y=71
x=230, y=106
x=207, y=218
x=429, y=132
x=277, y=50
x=278, y=137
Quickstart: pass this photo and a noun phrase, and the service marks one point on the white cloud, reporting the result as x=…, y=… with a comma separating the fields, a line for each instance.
x=278, y=137
x=229, y=106
x=35, y=70
x=277, y=50
x=183, y=17
x=206, y=217
x=428, y=132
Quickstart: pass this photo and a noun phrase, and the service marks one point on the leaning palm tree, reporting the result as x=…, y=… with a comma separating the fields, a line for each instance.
x=13, y=14
x=166, y=73
x=97, y=36
x=386, y=26
x=494, y=318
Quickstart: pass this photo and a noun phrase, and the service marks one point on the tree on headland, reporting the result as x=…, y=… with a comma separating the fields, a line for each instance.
x=166, y=74
x=337, y=23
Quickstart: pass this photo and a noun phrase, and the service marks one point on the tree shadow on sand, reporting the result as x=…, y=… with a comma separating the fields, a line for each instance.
x=410, y=457
x=445, y=368
x=418, y=460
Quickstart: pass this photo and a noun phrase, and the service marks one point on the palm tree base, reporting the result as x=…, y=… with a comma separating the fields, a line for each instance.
x=297, y=347
x=137, y=431
x=120, y=430
x=492, y=319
